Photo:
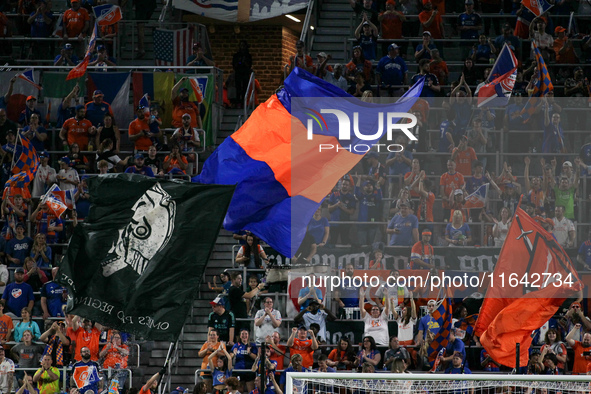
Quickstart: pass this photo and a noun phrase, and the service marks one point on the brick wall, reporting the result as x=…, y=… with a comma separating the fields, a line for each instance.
x=270, y=47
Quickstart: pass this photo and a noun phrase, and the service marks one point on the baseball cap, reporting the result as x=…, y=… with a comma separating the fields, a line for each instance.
x=186, y=115
x=391, y=2
x=97, y=93
x=179, y=390
x=31, y=98
x=68, y=46
x=139, y=156
x=426, y=2
x=20, y=224
x=100, y=48
x=427, y=33
x=458, y=192
x=65, y=160
x=403, y=204
x=559, y=29
x=372, y=154
x=322, y=54
x=392, y=47
x=140, y=107
x=79, y=107
x=75, y=1
x=43, y=154
x=427, y=232
x=184, y=89
x=196, y=45
x=366, y=23
x=302, y=327
x=567, y=164
x=19, y=270
x=469, y=2
x=217, y=301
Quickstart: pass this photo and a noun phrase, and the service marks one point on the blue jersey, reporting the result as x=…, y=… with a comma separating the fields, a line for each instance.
x=220, y=377
x=243, y=360
x=447, y=126
x=469, y=20
x=56, y=296
x=585, y=251
x=348, y=199
x=392, y=70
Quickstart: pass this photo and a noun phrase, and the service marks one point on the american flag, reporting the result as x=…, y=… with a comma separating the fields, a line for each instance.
x=172, y=47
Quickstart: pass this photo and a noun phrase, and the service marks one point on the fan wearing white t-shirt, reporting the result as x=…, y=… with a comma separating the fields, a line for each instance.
x=406, y=324
x=376, y=323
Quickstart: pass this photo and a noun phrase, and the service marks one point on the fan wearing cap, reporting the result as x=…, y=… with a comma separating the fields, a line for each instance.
x=180, y=99
x=431, y=20
x=18, y=294
x=76, y=22
x=66, y=56
x=220, y=321
x=300, y=59
x=367, y=38
x=563, y=47
x=577, y=86
x=391, y=22
x=543, y=40
x=321, y=68
x=139, y=167
x=315, y=312
x=392, y=72
x=67, y=176
x=77, y=129
x=423, y=50
x=469, y=23
x=187, y=138
x=140, y=132
x=449, y=181
x=422, y=254
x=102, y=59
x=97, y=108
x=198, y=58
x=25, y=115
x=302, y=342
x=9, y=149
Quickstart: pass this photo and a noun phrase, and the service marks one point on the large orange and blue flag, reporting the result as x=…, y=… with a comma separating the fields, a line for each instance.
x=442, y=315
x=24, y=170
x=543, y=277
x=478, y=198
x=281, y=172
x=541, y=88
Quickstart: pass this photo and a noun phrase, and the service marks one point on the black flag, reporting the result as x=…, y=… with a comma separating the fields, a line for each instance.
x=135, y=263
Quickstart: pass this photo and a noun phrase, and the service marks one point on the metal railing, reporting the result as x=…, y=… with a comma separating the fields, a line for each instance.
x=248, y=103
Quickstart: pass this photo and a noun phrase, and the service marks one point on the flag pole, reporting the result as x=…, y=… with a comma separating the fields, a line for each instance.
x=165, y=367
x=517, y=357
x=18, y=137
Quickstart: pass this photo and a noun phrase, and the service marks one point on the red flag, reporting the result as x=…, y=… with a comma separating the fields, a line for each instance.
x=532, y=278
x=498, y=91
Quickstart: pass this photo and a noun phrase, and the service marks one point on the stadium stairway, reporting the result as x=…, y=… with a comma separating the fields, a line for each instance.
x=194, y=334
x=334, y=28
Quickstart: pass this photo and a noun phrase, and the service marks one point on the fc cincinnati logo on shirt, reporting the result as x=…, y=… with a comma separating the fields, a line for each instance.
x=16, y=293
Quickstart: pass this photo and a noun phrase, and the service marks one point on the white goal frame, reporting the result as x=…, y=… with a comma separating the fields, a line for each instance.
x=290, y=376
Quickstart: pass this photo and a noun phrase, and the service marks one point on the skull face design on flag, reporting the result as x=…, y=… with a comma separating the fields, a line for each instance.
x=147, y=233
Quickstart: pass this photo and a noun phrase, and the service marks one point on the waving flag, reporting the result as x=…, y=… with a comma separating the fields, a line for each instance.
x=144, y=101
x=29, y=76
x=197, y=91
x=442, y=315
x=107, y=14
x=537, y=7
x=24, y=170
x=467, y=324
x=498, y=92
x=478, y=198
x=541, y=88
x=511, y=311
x=58, y=200
x=80, y=69
x=506, y=61
x=20, y=92
x=280, y=174
x=85, y=375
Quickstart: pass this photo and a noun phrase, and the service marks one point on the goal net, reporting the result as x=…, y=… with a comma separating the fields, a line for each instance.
x=422, y=383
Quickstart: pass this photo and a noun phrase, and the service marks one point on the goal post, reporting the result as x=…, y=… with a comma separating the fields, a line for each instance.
x=336, y=382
